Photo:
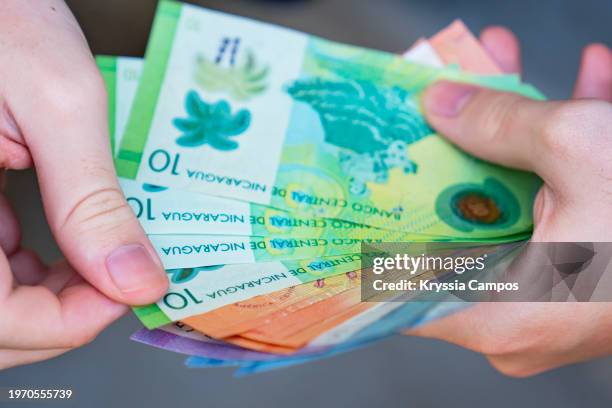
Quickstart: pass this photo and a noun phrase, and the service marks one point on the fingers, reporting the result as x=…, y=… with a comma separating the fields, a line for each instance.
x=503, y=46
x=522, y=339
x=13, y=153
x=595, y=74
x=60, y=108
x=36, y=318
x=12, y=358
x=9, y=228
x=508, y=129
x=41, y=322
x=59, y=277
x=27, y=267
x=88, y=215
x=7, y=281
x=28, y=335
x=504, y=128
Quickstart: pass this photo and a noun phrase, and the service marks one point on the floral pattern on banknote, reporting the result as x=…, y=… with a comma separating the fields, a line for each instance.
x=210, y=123
x=470, y=206
x=371, y=125
x=242, y=82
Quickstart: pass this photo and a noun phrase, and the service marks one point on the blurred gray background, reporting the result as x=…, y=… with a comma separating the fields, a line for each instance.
x=400, y=372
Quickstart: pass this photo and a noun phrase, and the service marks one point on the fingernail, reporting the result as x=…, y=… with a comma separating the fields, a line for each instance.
x=447, y=98
x=132, y=268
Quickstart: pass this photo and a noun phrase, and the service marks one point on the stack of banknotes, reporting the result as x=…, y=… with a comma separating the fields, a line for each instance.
x=259, y=159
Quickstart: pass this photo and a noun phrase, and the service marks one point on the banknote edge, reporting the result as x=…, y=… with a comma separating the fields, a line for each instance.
x=156, y=61
x=108, y=68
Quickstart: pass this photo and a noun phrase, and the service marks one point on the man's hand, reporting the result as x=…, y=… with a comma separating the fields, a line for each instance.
x=53, y=115
x=568, y=144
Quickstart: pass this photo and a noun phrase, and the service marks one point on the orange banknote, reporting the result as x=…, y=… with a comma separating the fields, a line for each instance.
x=243, y=316
x=294, y=342
x=294, y=321
x=457, y=45
x=301, y=338
x=259, y=346
x=295, y=329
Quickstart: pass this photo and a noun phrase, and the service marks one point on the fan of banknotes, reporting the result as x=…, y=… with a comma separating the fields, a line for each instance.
x=260, y=159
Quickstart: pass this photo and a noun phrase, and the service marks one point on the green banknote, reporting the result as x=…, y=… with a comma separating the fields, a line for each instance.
x=199, y=290
x=170, y=211
x=165, y=211
x=195, y=290
x=236, y=108
x=121, y=76
x=188, y=251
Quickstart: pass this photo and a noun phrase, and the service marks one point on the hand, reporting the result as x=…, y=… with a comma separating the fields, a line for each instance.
x=53, y=114
x=568, y=144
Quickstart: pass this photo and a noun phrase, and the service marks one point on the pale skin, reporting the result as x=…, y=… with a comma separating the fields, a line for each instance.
x=53, y=117
x=568, y=144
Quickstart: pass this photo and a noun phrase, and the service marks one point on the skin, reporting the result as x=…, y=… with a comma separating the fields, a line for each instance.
x=53, y=116
x=54, y=85
x=568, y=144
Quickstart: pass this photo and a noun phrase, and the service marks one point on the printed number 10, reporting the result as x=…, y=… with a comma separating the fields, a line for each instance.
x=161, y=160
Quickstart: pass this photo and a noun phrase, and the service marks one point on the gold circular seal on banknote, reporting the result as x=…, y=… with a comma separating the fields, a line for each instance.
x=468, y=206
x=477, y=207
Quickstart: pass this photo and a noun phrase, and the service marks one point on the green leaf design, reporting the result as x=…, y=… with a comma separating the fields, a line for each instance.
x=211, y=124
x=240, y=82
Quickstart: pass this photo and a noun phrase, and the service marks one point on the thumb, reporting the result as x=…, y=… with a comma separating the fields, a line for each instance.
x=500, y=127
x=64, y=125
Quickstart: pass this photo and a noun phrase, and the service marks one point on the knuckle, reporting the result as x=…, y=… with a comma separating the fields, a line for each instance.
x=66, y=94
x=557, y=128
x=100, y=211
x=501, y=111
x=578, y=129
